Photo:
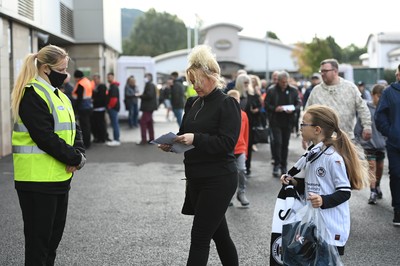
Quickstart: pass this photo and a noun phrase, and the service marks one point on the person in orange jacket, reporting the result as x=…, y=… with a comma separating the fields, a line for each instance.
x=82, y=97
x=241, y=151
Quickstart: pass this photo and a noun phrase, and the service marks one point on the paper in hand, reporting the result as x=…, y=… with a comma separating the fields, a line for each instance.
x=288, y=107
x=169, y=139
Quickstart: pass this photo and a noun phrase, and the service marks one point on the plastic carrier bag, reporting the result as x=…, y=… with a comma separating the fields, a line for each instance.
x=304, y=238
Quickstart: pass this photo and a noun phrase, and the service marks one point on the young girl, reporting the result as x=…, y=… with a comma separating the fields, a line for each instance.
x=332, y=167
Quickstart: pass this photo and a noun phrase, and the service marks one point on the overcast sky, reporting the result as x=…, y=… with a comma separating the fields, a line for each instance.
x=348, y=21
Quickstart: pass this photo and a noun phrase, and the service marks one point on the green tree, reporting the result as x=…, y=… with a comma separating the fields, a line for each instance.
x=272, y=35
x=156, y=33
x=351, y=54
x=128, y=18
x=310, y=55
x=335, y=48
x=389, y=75
x=298, y=53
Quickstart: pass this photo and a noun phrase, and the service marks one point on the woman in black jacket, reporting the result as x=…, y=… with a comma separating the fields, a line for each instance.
x=211, y=124
x=47, y=150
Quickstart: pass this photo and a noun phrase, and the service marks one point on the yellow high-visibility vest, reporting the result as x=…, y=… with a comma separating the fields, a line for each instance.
x=32, y=164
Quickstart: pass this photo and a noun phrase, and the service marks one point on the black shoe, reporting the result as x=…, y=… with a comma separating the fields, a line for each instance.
x=372, y=198
x=275, y=172
x=396, y=219
x=379, y=192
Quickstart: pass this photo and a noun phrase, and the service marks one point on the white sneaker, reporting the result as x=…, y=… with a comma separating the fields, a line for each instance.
x=113, y=143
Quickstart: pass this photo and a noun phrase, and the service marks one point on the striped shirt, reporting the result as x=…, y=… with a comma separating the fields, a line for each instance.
x=324, y=176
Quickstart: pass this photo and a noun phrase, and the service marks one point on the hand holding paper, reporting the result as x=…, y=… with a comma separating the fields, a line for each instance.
x=288, y=107
x=169, y=139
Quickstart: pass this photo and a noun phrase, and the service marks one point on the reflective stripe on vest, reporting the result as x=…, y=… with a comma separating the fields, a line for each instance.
x=27, y=149
x=57, y=127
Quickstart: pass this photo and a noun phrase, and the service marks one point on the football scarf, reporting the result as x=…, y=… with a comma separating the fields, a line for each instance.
x=288, y=201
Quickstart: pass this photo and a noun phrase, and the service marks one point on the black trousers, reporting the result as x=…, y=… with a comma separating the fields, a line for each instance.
x=210, y=197
x=84, y=123
x=281, y=144
x=98, y=126
x=249, y=150
x=44, y=217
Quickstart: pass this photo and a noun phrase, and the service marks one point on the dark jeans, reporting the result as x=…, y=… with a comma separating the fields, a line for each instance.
x=281, y=136
x=210, y=197
x=394, y=175
x=44, y=218
x=114, y=123
x=98, y=126
x=84, y=123
x=133, y=115
x=147, y=124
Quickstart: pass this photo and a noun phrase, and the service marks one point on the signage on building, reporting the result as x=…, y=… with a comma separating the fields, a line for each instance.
x=223, y=44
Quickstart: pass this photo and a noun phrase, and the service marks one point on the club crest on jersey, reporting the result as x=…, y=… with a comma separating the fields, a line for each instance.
x=320, y=171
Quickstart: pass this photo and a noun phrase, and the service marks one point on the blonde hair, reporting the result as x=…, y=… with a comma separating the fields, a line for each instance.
x=202, y=62
x=50, y=55
x=255, y=81
x=234, y=94
x=354, y=158
x=239, y=85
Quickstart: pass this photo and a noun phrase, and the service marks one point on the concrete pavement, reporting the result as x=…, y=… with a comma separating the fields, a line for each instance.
x=125, y=210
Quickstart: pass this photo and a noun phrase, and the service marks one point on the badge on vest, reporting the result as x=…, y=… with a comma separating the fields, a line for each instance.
x=61, y=108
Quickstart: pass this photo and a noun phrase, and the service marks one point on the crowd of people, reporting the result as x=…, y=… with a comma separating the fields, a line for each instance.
x=343, y=125
x=334, y=147
x=92, y=100
x=336, y=119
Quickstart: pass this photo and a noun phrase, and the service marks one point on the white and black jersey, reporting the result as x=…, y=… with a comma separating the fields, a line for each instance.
x=324, y=175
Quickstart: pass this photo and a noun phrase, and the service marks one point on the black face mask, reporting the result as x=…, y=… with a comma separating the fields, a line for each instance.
x=56, y=78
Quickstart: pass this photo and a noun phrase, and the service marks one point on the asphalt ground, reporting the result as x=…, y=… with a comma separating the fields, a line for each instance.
x=125, y=205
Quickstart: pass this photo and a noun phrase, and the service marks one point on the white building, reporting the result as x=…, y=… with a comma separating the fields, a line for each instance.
x=89, y=30
x=233, y=52
x=383, y=50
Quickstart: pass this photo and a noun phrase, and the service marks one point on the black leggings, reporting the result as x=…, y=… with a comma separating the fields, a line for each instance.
x=210, y=197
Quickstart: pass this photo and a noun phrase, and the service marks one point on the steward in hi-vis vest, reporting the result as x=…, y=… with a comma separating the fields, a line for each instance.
x=47, y=150
x=82, y=95
x=84, y=102
x=32, y=164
